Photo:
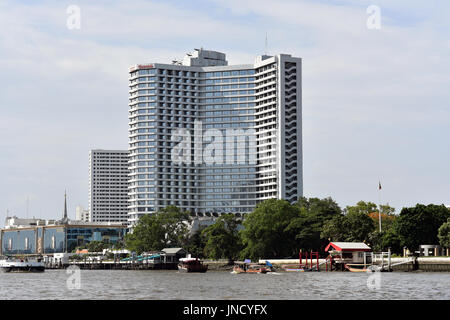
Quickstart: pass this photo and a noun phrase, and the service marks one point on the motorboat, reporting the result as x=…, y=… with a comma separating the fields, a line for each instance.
x=191, y=265
x=248, y=267
x=10, y=264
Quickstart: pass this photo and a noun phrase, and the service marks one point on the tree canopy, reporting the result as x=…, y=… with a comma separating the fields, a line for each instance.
x=97, y=246
x=419, y=225
x=166, y=228
x=354, y=224
x=278, y=229
x=313, y=214
x=267, y=232
x=222, y=238
x=444, y=234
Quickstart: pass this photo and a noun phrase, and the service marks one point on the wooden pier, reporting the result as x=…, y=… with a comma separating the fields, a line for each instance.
x=115, y=265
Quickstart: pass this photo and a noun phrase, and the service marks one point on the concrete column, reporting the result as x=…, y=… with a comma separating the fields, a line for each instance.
x=436, y=252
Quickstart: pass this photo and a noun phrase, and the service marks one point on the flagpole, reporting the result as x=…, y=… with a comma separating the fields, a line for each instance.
x=379, y=203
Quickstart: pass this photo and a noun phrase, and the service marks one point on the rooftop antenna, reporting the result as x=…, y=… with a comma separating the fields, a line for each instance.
x=266, y=44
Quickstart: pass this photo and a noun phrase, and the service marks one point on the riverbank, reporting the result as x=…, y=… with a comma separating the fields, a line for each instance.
x=424, y=264
x=421, y=264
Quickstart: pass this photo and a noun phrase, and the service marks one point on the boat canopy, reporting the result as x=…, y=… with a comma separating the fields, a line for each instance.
x=188, y=259
x=141, y=258
x=155, y=256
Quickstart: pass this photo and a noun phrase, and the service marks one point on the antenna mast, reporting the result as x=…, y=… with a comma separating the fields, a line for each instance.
x=266, y=45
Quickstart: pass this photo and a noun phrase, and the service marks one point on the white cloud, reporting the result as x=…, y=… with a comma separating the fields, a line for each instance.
x=375, y=101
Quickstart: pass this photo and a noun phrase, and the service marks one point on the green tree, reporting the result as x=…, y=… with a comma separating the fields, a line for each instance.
x=308, y=226
x=391, y=239
x=360, y=225
x=175, y=223
x=362, y=207
x=387, y=217
x=419, y=225
x=196, y=243
x=266, y=230
x=444, y=234
x=222, y=238
x=335, y=229
x=355, y=224
x=166, y=228
x=97, y=246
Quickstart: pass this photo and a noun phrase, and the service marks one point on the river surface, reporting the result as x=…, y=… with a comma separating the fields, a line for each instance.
x=222, y=285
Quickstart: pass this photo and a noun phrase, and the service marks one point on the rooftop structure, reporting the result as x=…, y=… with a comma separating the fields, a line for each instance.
x=348, y=246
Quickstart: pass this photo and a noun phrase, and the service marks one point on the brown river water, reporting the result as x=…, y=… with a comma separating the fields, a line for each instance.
x=222, y=285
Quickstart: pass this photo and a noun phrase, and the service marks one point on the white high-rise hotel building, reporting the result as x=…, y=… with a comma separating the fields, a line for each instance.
x=261, y=102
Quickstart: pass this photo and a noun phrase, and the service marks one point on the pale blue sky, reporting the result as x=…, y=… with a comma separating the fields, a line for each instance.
x=375, y=105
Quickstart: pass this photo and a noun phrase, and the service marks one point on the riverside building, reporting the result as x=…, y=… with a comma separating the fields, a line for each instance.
x=108, y=186
x=214, y=138
x=43, y=237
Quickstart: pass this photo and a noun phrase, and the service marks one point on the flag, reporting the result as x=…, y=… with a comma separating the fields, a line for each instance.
x=379, y=185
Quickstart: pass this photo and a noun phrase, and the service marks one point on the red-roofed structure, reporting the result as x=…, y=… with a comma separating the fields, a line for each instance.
x=343, y=254
x=348, y=246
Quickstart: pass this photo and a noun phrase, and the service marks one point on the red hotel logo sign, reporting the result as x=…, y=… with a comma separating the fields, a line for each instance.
x=142, y=66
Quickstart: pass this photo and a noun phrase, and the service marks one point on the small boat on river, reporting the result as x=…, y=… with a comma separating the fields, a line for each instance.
x=292, y=268
x=358, y=268
x=21, y=265
x=248, y=267
x=192, y=265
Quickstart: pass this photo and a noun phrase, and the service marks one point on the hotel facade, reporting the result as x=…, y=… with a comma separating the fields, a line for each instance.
x=209, y=137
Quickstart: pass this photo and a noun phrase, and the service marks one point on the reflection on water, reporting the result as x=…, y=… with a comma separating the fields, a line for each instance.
x=171, y=285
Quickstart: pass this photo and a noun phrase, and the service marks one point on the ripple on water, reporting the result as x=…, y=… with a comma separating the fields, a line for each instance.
x=169, y=285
